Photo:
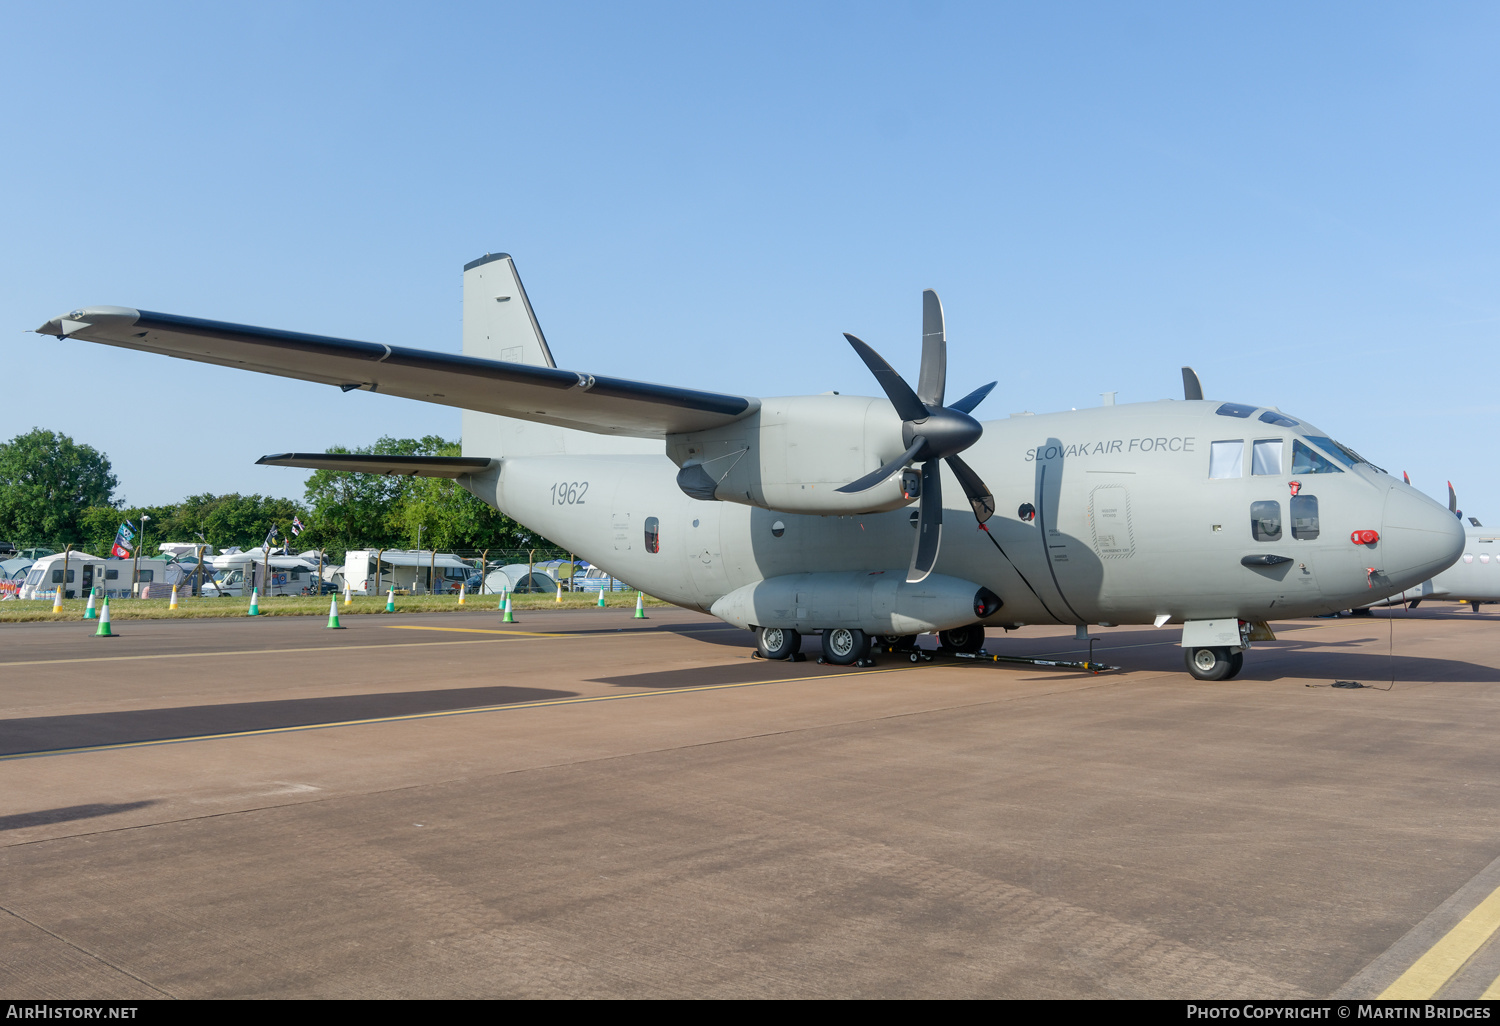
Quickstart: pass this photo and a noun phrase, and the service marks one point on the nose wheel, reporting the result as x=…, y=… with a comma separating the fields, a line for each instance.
x=1216, y=663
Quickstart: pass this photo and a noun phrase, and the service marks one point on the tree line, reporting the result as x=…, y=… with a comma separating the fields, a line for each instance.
x=54, y=491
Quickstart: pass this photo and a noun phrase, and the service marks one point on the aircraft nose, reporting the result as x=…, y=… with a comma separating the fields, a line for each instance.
x=1418, y=539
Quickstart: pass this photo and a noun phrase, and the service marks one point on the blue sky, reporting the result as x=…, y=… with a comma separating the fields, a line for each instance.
x=1298, y=200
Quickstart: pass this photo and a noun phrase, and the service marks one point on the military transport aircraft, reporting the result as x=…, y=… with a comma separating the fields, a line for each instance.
x=791, y=515
x=1475, y=578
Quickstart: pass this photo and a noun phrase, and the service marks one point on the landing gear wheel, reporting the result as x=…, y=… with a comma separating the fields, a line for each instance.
x=1216, y=663
x=1366, y=611
x=844, y=646
x=963, y=639
x=778, y=642
x=898, y=642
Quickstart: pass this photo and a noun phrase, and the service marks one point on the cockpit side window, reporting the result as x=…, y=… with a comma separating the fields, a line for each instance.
x=1235, y=410
x=1304, y=517
x=1265, y=520
x=1226, y=459
x=1265, y=456
x=1307, y=460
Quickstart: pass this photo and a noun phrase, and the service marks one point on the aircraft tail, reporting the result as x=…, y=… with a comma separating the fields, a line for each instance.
x=499, y=324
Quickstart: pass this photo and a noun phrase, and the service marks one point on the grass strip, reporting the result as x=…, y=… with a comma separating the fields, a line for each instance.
x=16, y=611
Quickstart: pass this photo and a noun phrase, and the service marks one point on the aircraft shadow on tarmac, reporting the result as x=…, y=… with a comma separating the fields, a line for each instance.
x=747, y=672
x=21, y=820
x=50, y=733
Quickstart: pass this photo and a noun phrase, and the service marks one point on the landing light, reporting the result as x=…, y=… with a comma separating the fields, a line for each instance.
x=1364, y=537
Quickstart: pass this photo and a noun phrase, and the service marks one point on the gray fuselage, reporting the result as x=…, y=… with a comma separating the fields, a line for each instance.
x=1128, y=524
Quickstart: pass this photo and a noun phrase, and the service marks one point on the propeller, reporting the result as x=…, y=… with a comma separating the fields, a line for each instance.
x=1453, y=502
x=931, y=432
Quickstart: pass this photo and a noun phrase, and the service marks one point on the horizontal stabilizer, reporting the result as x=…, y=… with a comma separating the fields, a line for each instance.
x=546, y=395
x=405, y=466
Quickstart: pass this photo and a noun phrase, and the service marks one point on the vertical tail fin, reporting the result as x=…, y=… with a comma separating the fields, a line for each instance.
x=499, y=324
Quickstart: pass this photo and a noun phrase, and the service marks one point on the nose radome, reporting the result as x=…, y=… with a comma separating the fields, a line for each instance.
x=1419, y=537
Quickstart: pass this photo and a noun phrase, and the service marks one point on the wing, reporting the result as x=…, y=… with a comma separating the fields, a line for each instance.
x=547, y=395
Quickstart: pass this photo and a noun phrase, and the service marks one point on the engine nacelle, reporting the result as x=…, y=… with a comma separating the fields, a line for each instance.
x=793, y=455
x=877, y=603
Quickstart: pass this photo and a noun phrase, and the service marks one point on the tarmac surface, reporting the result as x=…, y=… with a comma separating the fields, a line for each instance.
x=586, y=805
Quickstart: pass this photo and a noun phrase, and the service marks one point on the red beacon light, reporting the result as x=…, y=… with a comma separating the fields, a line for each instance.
x=1364, y=537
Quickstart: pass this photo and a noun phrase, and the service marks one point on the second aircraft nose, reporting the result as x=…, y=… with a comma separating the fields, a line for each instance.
x=1419, y=538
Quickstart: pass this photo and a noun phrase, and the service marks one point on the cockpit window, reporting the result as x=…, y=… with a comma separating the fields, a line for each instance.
x=1307, y=460
x=1335, y=450
x=1279, y=419
x=1265, y=456
x=1235, y=410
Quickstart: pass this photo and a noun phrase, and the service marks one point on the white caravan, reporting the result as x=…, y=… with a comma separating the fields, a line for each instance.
x=414, y=570
x=236, y=573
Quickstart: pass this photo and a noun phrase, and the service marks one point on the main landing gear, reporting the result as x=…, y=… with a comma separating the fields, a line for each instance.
x=1215, y=663
x=778, y=643
x=845, y=646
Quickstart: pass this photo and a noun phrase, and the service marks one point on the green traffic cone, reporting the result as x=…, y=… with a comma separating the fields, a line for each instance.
x=390, y=600
x=509, y=616
x=89, y=612
x=254, y=602
x=333, y=615
x=503, y=596
x=640, y=606
x=103, y=631
x=601, y=598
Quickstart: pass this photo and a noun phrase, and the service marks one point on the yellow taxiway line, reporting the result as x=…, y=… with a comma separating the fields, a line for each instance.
x=1444, y=959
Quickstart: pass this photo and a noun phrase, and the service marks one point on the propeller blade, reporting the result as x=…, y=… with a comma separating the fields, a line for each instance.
x=1192, y=388
x=973, y=399
x=908, y=406
x=934, y=376
x=978, y=493
x=872, y=479
x=1406, y=477
x=1452, y=500
x=929, y=524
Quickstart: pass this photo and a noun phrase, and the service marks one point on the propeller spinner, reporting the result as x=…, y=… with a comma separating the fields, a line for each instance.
x=931, y=432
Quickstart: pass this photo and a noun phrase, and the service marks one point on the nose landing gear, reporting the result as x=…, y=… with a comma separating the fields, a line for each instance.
x=1213, y=663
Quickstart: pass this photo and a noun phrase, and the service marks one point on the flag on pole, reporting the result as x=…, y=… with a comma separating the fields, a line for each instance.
x=296, y=527
x=122, y=546
x=270, y=539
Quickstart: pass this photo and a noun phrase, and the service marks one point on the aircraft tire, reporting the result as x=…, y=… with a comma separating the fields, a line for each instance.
x=963, y=639
x=1236, y=664
x=900, y=642
x=1214, y=663
x=844, y=646
x=778, y=642
x=1474, y=606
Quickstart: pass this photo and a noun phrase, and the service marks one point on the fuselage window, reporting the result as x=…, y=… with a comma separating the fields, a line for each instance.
x=1226, y=459
x=1304, y=517
x=653, y=534
x=1265, y=520
x=1279, y=419
x=1306, y=460
x=1235, y=410
x=1266, y=456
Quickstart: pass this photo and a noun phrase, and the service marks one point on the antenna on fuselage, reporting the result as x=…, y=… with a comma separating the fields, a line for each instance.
x=1192, y=388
